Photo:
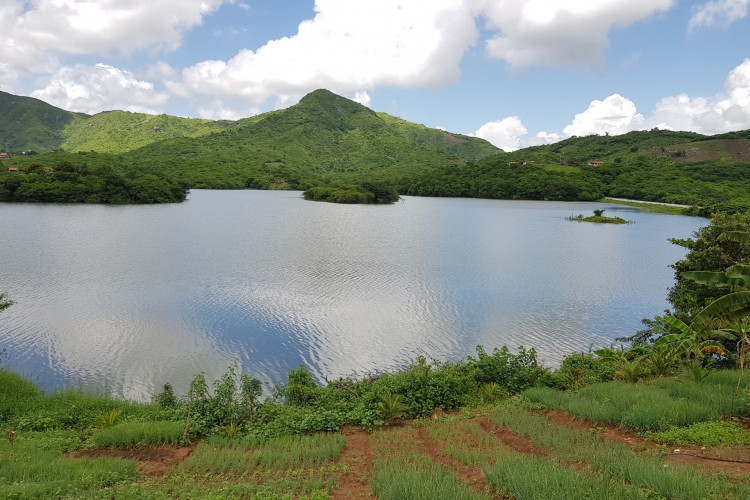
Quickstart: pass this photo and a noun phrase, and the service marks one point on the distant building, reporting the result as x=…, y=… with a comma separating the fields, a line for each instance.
x=595, y=163
x=12, y=169
x=4, y=156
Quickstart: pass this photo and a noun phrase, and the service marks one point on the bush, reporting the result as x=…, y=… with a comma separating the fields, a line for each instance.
x=578, y=370
x=513, y=372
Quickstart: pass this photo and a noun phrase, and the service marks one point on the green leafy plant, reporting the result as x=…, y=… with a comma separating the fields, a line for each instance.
x=704, y=434
x=108, y=419
x=391, y=407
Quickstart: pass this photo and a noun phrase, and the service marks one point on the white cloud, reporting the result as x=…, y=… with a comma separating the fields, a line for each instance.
x=218, y=109
x=505, y=134
x=353, y=47
x=536, y=32
x=348, y=47
x=725, y=112
x=719, y=13
x=35, y=34
x=90, y=89
x=614, y=115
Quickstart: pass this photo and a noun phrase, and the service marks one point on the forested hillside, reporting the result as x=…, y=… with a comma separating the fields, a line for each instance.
x=327, y=139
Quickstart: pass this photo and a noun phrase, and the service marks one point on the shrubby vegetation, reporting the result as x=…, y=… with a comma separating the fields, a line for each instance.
x=363, y=193
x=66, y=182
x=598, y=218
x=327, y=140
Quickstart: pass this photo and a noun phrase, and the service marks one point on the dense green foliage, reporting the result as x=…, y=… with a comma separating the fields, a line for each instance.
x=326, y=139
x=704, y=434
x=120, y=131
x=708, y=250
x=364, y=193
x=85, y=178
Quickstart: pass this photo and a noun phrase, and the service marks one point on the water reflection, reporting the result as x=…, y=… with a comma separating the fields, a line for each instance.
x=133, y=297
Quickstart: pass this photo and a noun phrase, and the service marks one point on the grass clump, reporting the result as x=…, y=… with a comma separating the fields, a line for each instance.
x=465, y=441
x=704, y=434
x=598, y=218
x=647, y=406
x=37, y=468
x=137, y=434
x=222, y=456
x=402, y=471
x=616, y=461
x=525, y=477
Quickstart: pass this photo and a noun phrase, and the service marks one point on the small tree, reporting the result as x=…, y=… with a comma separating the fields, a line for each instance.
x=5, y=302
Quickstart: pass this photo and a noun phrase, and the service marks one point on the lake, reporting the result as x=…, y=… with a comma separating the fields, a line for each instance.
x=123, y=299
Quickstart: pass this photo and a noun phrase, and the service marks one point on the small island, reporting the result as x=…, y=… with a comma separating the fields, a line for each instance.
x=368, y=192
x=599, y=218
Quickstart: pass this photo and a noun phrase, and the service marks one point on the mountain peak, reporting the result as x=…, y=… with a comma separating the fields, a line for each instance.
x=335, y=111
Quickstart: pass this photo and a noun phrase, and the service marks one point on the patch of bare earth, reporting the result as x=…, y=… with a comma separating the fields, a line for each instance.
x=474, y=477
x=359, y=459
x=152, y=462
x=510, y=439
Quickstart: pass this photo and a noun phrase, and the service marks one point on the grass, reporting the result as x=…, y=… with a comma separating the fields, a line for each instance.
x=284, y=452
x=704, y=434
x=615, y=461
x=35, y=467
x=465, y=441
x=653, y=406
x=139, y=434
x=598, y=219
x=525, y=477
x=402, y=471
x=24, y=407
x=648, y=207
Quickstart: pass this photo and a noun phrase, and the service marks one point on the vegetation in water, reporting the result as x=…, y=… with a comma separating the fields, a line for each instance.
x=365, y=193
x=598, y=218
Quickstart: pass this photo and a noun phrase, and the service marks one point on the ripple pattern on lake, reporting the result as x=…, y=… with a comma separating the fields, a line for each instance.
x=129, y=298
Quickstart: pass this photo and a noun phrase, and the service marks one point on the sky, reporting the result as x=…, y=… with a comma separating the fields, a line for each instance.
x=515, y=72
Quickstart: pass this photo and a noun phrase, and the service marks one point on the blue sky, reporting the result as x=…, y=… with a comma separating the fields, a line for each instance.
x=516, y=72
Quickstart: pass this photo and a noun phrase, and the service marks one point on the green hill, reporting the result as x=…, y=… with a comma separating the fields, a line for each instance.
x=120, y=131
x=323, y=138
x=328, y=139
x=30, y=124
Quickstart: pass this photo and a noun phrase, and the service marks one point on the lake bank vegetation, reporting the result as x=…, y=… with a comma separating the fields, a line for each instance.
x=327, y=140
x=497, y=423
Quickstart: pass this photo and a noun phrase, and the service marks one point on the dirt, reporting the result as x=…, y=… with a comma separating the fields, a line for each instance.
x=359, y=459
x=509, y=439
x=733, y=460
x=152, y=462
x=474, y=477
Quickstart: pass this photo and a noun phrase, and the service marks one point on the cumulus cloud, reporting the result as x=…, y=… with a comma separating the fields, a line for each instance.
x=36, y=33
x=348, y=47
x=725, y=112
x=353, y=47
x=505, y=134
x=614, y=115
x=719, y=13
x=90, y=89
x=534, y=32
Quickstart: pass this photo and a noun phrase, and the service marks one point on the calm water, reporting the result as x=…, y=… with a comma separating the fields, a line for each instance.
x=127, y=298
